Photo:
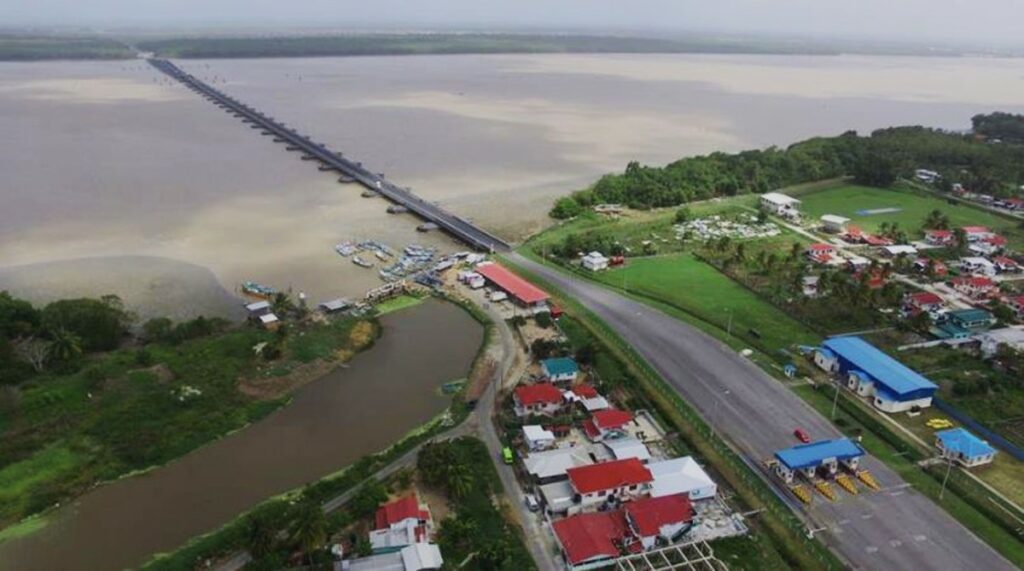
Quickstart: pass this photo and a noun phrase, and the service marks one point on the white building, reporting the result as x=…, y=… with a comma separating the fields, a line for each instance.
x=629, y=447
x=1012, y=337
x=537, y=438
x=552, y=465
x=834, y=224
x=595, y=262
x=979, y=266
x=898, y=250
x=681, y=476
x=780, y=204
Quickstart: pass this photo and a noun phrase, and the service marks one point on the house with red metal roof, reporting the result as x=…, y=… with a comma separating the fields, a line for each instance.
x=538, y=398
x=820, y=253
x=988, y=246
x=608, y=422
x=976, y=287
x=914, y=303
x=611, y=482
x=399, y=523
x=589, y=539
x=937, y=267
x=666, y=518
x=1005, y=264
x=975, y=233
x=940, y=237
x=521, y=291
x=1016, y=303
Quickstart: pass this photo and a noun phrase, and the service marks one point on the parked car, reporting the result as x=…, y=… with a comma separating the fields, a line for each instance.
x=506, y=455
x=531, y=502
x=802, y=435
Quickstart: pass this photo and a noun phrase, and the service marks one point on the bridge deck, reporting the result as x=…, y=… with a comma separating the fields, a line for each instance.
x=454, y=225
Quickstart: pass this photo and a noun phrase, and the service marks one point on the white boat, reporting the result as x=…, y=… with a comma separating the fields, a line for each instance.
x=361, y=262
x=345, y=248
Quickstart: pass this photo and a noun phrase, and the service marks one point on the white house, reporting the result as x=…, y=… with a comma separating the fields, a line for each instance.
x=834, y=224
x=552, y=465
x=925, y=175
x=964, y=448
x=402, y=522
x=991, y=341
x=628, y=447
x=615, y=481
x=537, y=438
x=898, y=250
x=780, y=204
x=538, y=398
x=681, y=476
x=978, y=266
x=595, y=262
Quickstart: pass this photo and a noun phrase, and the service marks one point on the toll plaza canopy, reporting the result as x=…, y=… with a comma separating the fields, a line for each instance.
x=523, y=291
x=815, y=453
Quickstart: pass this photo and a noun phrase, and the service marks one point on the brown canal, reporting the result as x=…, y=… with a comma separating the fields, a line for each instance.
x=384, y=393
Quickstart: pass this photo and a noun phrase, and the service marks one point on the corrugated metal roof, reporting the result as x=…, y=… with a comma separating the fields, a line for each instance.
x=887, y=371
x=513, y=284
x=963, y=442
x=808, y=455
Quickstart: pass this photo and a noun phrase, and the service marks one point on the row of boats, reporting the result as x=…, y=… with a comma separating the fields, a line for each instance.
x=411, y=260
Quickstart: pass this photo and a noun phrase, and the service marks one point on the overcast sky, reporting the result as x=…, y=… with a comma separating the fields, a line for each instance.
x=955, y=20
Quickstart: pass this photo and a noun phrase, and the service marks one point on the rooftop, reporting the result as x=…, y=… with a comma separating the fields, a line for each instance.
x=591, y=535
x=976, y=229
x=556, y=462
x=678, y=475
x=609, y=475
x=648, y=515
x=535, y=432
x=399, y=510
x=539, y=393
x=961, y=441
x=513, y=284
x=779, y=198
x=887, y=371
x=813, y=454
x=559, y=366
x=611, y=418
x=628, y=447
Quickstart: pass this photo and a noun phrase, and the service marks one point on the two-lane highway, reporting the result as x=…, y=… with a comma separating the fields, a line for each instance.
x=456, y=226
x=895, y=529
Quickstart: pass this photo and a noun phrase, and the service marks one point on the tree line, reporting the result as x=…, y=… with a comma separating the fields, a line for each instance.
x=878, y=159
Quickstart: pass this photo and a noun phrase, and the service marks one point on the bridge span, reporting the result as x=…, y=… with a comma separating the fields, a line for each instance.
x=458, y=227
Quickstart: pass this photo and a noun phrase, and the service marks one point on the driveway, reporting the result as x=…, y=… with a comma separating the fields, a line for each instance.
x=896, y=528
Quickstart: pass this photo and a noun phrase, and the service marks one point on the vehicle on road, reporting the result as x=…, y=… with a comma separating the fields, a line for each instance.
x=506, y=455
x=531, y=502
x=802, y=435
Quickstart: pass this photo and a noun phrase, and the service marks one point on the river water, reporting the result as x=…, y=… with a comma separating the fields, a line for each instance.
x=109, y=159
x=384, y=393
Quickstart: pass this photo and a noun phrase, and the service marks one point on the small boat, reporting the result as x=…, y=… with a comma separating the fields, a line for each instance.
x=369, y=193
x=345, y=248
x=380, y=255
x=397, y=209
x=256, y=290
x=361, y=262
x=427, y=227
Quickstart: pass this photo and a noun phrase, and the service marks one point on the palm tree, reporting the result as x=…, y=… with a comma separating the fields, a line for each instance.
x=66, y=345
x=794, y=251
x=310, y=531
x=261, y=535
x=459, y=480
x=282, y=303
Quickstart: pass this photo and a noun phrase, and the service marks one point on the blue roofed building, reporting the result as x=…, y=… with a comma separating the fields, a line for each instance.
x=824, y=455
x=891, y=385
x=560, y=369
x=959, y=445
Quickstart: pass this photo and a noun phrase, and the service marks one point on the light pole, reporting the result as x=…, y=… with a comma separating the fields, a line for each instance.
x=949, y=468
x=835, y=400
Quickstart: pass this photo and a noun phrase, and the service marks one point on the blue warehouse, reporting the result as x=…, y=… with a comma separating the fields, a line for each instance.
x=891, y=386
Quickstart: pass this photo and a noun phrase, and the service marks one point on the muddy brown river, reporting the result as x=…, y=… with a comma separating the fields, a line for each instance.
x=384, y=393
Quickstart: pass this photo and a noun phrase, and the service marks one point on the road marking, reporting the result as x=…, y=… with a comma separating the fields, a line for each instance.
x=897, y=493
x=844, y=521
x=867, y=516
x=920, y=538
x=895, y=543
x=871, y=549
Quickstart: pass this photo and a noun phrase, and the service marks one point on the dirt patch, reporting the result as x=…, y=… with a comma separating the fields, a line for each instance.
x=362, y=334
x=161, y=371
x=436, y=501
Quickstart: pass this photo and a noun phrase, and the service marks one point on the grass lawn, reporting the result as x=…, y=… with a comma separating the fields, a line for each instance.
x=699, y=289
x=397, y=303
x=851, y=201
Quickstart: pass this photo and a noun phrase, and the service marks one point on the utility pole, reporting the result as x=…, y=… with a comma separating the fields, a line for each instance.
x=949, y=468
x=835, y=400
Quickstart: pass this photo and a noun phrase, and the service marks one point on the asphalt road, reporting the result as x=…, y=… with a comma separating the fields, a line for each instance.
x=896, y=528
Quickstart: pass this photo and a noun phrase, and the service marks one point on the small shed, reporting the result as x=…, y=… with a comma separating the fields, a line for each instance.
x=834, y=224
x=335, y=305
x=269, y=321
x=258, y=308
x=964, y=448
x=537, y=438
x=560, y=369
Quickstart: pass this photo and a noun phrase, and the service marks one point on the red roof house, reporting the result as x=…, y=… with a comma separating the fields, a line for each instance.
x=397, y=512
x=1016, y=303
x=974, y=233
x=516, y=287
x=875, y=240
x=591, y=537
x=923, y=301
x=538, y=398
x=975, y=286
x=938, y=267
x=601, y=422
x=665, y=517
x=585, y=391
x=939, y=237
x=597, y=481
x=853, y=234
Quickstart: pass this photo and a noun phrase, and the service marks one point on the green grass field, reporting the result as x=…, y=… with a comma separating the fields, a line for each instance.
x=699, y=289
x=851, y=200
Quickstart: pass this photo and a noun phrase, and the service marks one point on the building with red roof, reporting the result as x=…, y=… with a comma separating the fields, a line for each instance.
x=619, y=479
x=602, y=423
x=975, y=286
x=820, y=253
x=1016, y=303
x=591, y=538
x=538, y=398
x=667, y=518
x=401, y=522
x=1005, y=264
x=975, y=233
x=853, y=234
x=939, y=237
x=521, y=291
x=585, y=391
x=875, y=240
x=988, y=246
x=915, y=303
x=938, y=267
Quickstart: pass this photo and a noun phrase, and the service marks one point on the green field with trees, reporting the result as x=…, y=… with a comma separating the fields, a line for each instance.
x=879, y=159
x=25, y=47
x=85, y=397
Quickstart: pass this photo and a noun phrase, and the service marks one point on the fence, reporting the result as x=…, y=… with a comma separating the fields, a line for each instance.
x=962, y=418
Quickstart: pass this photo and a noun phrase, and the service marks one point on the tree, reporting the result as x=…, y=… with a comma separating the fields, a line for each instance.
x=17, y=317
x=936, y=220
x=310, y=529
x=368, y=499
x=459, y=480
x=875, y=168
x=961, y=240
x=586, y=354
x=261, y=534
x=99, y=324
x=683, y=215
x=33, y=351
x=282, y=303
x=157, y=329
x=65, y=346
x=566, y=207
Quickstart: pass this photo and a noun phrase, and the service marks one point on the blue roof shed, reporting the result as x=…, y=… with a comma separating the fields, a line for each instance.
x=895, y=377
x=559, y=367
x=961, y=441
x=815, y=453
